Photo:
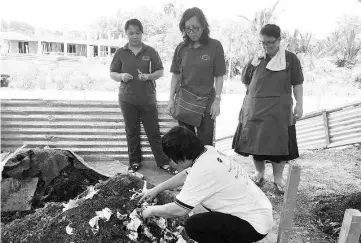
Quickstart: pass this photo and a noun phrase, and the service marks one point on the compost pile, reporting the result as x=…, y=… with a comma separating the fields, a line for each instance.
x=107, y=212
x=70, y=202
x=37, y=176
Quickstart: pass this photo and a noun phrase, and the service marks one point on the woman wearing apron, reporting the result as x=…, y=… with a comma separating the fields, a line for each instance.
x=266, y=128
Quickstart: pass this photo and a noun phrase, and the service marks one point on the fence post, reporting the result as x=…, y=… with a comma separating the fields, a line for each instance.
x=325, y=126
x=351, y=227
x=289, y=204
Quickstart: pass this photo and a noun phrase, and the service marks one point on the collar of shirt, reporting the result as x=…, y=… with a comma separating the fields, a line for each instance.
x=190, y=45
x=259, y=57
x=200, y=45
x=144, y=47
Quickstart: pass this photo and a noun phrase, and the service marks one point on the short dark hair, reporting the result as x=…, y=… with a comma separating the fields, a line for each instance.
x=271, y=30
x=134, y=22
x=198, y=13
x=180, y=143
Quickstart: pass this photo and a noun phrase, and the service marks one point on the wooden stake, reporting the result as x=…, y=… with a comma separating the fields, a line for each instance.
x=351, y=227
x=326, y=128
x=289, y=204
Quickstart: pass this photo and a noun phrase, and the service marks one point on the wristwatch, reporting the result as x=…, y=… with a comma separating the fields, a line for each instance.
x=218, y=97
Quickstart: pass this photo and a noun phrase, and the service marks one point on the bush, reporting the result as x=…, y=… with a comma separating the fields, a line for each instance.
x=63, y=80
x=27, y=80
x=348, y=41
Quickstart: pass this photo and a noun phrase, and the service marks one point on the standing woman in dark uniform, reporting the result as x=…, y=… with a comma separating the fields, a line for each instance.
x=266, y=128
x=198, y=67
x=136, y=66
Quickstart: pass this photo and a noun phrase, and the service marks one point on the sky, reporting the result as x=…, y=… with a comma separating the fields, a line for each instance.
x=315, y=16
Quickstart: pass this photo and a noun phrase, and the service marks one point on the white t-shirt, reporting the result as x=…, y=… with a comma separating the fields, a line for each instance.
x=221, y=185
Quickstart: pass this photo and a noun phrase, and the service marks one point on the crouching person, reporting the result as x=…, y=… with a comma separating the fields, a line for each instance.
x=238, y=210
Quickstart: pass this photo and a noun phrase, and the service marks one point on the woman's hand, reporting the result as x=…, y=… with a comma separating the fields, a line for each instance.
x=148, y=195
x=215, y=109
x=298, y=111
x=147, y=212
x=125, y=77
x=143, y=77
x=170, y=107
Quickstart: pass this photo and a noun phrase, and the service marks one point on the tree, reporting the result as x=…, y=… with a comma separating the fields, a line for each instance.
x=261, y=18
x=160, y=28
x=298, y=42
x=22, y=27
x=4, y=25
x=347, y=38
x=101, y=26
x=241, y=43
x=169, y=9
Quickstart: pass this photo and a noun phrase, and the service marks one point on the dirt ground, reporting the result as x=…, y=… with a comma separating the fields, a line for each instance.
x=324, y=174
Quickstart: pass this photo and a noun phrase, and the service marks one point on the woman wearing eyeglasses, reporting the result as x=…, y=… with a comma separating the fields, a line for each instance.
x=198, y=67
x=136, y=66
x=267, y=119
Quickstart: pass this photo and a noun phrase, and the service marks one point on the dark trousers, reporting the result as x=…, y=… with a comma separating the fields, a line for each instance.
x=204, y=131
x=214, y=227
x=148, y=115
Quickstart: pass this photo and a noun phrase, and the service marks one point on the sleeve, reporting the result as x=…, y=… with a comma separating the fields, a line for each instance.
x=198, y=186
x=155, y=62
x=188, y=170
x=219, y=61
x=177, y=61
x=296, y=71
x=116, y=64
x=246, y=73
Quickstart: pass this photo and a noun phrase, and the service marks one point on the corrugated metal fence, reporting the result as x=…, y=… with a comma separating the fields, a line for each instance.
x=327, y=128
x=330, y=128
x=93, y=129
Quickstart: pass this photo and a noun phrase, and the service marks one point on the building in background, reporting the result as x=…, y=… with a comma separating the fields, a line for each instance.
x=47, y=43
x=13, y=42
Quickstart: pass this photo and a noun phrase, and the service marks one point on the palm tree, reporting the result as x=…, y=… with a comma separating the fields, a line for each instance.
x=261, y=18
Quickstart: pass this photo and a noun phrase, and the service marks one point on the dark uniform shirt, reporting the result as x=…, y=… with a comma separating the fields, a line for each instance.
x=199, y=66
x=147, y=61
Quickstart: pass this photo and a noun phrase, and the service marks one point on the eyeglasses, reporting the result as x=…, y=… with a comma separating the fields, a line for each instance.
x=195, y=29
x=132, y=33
x=267, y=43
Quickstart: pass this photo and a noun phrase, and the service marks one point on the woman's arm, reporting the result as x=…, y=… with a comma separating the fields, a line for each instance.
x=116, y=76
x=174, y=182
x=219, y=85
x=173, y=86
x=170, y=210
x=156, y=75
x=215, y=108
x=298, y=93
